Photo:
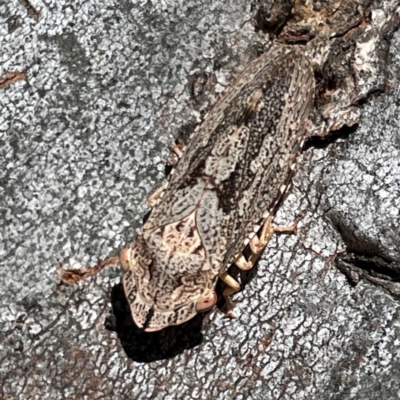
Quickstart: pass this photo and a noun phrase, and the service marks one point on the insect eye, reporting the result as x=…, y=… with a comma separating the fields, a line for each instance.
x=206, y=303
x=124, y=259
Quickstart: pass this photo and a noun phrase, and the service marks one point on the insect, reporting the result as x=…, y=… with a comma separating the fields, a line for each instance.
x=221, y=195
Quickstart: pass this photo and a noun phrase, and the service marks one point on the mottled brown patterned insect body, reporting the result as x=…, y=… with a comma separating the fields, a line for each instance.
x=222, y=193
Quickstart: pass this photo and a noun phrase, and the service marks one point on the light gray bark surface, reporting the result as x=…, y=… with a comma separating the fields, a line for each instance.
x=83, y=142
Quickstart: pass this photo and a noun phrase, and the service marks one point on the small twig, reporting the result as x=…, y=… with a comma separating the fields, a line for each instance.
x=11, y=77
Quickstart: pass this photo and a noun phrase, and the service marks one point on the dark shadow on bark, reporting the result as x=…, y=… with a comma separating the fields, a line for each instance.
x=377, y=270
x=318, y=142
x=146, y=347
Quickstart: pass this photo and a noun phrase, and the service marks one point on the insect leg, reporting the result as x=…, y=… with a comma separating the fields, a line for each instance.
x=178, y=149
x=258, y=242
x=152, y=199
x=175, y=154
x=286, y=229
x=242, y=263
x=232, y=287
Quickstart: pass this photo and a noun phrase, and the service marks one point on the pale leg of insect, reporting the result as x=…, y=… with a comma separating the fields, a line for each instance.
x=178, y=149
x=233, y=287
x=152, y=199
x=258, y=243
x=175, y=155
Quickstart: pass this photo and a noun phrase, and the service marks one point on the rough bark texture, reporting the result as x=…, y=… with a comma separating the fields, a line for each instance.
x=84, y=139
